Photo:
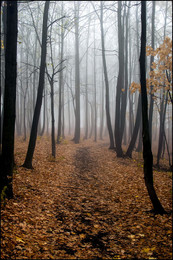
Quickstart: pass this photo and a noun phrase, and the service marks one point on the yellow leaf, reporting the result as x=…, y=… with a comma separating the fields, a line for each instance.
x=82, y=236
x=96, y=226
x=147, y=249
x=131, y=236
x=19, y=239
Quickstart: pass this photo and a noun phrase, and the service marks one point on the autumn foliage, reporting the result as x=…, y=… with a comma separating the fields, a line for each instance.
x=161, y=69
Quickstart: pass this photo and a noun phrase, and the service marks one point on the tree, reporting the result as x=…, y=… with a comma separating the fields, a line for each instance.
x=161, y=80
x=151, y=69
x=60, y=80
x=147, y=153
x=7, y=157
x=120, y=85
x=33, y=135
x=109, y=126
x=77, y=75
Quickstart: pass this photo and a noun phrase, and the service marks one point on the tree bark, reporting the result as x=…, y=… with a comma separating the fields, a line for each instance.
x=86, y=85
x=60, y=82
x=147, y=153
x=77, y=77
x=151, y=69
x=33, y=135
x=120, y=86
x=109, y=126
x=135, y=130
x=53, y=118
x=7, y=158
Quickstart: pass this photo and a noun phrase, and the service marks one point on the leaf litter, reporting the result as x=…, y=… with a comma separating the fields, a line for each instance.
x=86, y=204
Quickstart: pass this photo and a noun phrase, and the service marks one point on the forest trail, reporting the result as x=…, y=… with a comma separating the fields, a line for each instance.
x=85, y=204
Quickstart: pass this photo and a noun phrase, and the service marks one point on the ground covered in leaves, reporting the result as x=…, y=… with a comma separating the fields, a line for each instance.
x=85, y=204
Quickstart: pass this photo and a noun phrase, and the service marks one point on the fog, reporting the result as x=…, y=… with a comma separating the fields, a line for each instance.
x=61, y=66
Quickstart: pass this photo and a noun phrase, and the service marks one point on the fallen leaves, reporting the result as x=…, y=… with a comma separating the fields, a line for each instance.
x=85, y=204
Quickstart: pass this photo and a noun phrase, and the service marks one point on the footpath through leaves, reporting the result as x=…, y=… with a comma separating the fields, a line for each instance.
x=85, y=204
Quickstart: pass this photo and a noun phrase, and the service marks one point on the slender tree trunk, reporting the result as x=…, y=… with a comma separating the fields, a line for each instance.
x=24, y=116
x=139, y=147
x=102, y=109
x=86, y=85
x=124, y=94
x=95, y=92
x=69, y=114
x=151, y=69
x=120, y=86
x=109, y=126
x=33, y=135
x=147, y=153
x=61, y=82
x=92, y=121
x=135, y=130
x=53, y=119
x=0, y=89
x=162, y=123
x=7, y=158
x=77, y=76
x=44, y=114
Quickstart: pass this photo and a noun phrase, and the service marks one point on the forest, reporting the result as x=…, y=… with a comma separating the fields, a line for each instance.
x=86, y=129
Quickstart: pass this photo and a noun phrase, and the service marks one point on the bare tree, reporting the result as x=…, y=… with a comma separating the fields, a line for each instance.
x=33, y=135
x=147, y=153
x=7, y=157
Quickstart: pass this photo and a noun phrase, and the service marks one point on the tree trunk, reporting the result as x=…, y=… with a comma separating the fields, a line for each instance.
x=77, y=76
x=53, y=119
x=7, y=159
x=44, y=114
x=135, y=130
x=86, y=85
x=102, y=109
x=95, y=92
x=109, y=126
x=60, y=82
x=162, y=123
x=33, y=135
x=125, y=65
x=0, y=90
x=151, y=69
x=147, y=153
x=120, y=86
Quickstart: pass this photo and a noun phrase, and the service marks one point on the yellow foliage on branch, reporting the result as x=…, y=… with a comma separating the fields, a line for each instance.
x=161, y=73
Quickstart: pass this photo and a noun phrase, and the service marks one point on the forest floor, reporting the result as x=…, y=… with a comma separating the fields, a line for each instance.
x=85, y=204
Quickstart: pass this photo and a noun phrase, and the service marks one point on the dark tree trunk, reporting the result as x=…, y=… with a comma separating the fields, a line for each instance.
x=44, y=114
x=53, y=119
x=162, y=124
x=147, y=153
x=135, y=130
x=33, y=135
x=125, y=64
x=151, y=69
x=139, y=147
x=7, y=159
x=0, y=89
x=95, y=92
x=109, y=126
x=120, y=86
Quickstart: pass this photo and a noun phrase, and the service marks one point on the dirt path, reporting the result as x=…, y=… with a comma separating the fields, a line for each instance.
x=86, y=204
